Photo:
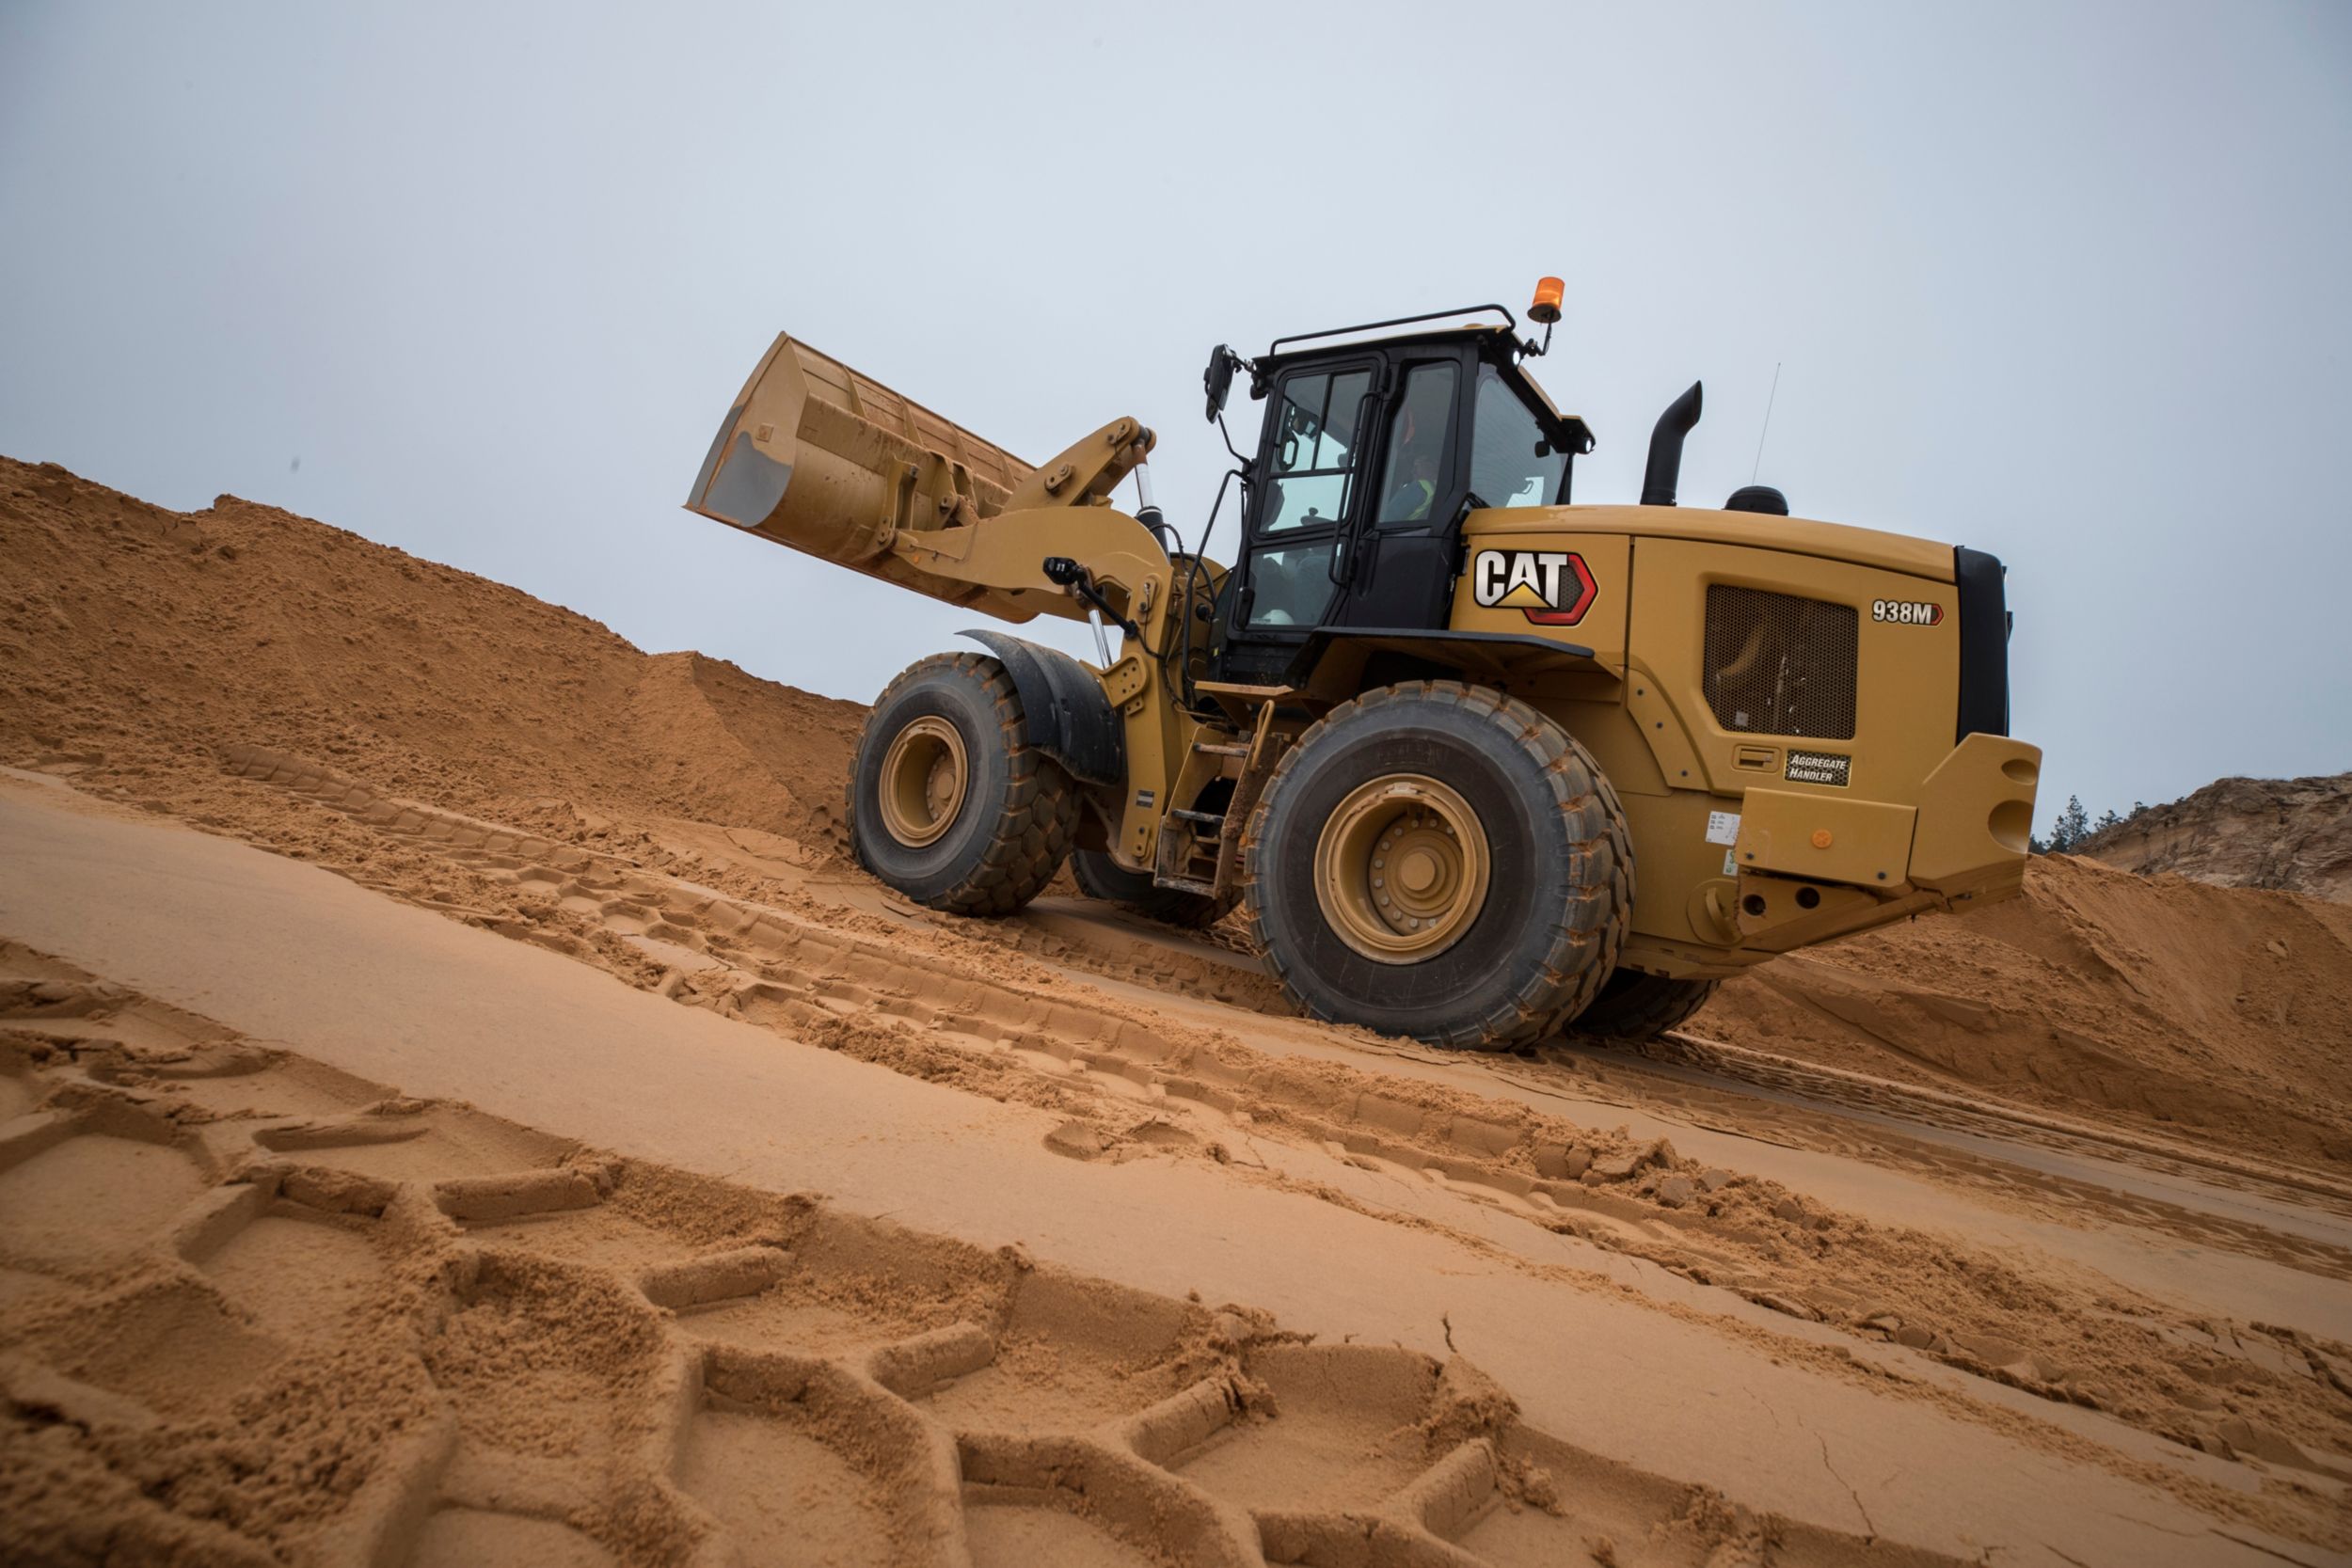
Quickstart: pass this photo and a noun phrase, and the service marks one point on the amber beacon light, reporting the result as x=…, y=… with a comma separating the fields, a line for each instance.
x=1546, y=309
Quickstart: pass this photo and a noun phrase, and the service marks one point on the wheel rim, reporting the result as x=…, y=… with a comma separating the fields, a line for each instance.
x=1401, y=868
x=924, y=776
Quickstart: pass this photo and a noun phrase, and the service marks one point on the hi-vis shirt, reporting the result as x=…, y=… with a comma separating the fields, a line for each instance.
x=1420, y=509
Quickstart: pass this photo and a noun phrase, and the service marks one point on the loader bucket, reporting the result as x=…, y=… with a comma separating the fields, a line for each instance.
x=815, y=457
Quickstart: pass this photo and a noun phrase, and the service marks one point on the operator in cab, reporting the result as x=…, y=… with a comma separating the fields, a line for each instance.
x=1413, y=456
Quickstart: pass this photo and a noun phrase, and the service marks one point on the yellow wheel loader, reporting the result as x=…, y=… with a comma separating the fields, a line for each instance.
x=1478, y=762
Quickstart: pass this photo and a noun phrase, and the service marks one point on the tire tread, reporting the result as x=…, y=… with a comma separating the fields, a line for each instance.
x=1590, y=931
x=1648, y=1007
x=1035, y=821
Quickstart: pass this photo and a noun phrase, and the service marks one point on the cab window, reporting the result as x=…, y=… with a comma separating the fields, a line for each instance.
x=1316, y=450
x=1511, y=462
x=1415, y=470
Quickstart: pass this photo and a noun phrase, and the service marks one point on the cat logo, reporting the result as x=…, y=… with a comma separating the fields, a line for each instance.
x=1551, y=588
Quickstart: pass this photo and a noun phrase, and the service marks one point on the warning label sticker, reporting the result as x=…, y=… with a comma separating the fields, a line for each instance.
x=1722, y=827
x=1819, y=768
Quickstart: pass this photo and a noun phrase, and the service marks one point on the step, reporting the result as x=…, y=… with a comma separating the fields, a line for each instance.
x=1206, y=818
x=1218, y=748
x=1237, y=688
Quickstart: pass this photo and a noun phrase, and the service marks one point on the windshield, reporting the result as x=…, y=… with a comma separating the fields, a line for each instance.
x=1511, y=462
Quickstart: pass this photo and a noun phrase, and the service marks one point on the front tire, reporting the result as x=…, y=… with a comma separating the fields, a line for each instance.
x=1440, y=861
x=948, y=803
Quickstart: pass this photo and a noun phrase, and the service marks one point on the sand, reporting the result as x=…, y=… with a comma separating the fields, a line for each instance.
x=137, y=637
x=2209, y=1014
x=507, y=1128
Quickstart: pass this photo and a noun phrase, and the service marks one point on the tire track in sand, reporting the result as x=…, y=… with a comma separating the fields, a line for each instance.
x=1137, y=1087
x=259, y=1310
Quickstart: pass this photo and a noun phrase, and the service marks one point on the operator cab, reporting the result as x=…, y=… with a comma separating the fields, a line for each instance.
x=1371, y=455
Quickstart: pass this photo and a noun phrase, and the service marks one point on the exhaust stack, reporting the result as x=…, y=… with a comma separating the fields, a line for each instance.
x=1665, y=448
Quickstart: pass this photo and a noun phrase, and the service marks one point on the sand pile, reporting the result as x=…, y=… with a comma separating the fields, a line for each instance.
x=140, y=639
x=2291, y=835
x=2169, y=1000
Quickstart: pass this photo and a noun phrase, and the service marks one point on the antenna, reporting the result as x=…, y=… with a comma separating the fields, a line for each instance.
x=1768, y=423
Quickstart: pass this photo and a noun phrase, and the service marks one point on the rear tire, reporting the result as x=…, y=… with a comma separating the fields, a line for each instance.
x=1512, y=881
x=976, y=820
x=1101, y=877
x=1637, y=1007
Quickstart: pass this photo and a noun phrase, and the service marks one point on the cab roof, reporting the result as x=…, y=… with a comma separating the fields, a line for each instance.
x=1498, y=345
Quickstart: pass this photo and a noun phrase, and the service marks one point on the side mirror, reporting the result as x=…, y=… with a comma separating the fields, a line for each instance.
x=1217, y=380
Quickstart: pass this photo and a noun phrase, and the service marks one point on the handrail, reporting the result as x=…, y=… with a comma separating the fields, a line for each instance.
x=1275, y=347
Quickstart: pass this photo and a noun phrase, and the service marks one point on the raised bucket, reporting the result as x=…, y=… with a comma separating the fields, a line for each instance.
x=815, y=457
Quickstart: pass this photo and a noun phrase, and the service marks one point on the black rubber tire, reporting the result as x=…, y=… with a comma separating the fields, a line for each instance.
x=1561, y=887
x=1101, y=877
x=1020, y=810
x=1637, y=1007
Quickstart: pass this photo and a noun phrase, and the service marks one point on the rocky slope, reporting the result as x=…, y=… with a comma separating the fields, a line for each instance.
x=2291, y=835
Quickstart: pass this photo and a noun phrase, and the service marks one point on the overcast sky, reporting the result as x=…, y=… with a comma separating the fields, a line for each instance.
x=2070, y=283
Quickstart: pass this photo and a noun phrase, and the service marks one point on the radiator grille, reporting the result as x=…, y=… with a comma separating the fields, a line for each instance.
x=1780, y=665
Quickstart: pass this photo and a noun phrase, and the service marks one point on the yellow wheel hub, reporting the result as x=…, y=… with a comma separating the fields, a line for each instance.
x=923, y=777
x=1401, y=868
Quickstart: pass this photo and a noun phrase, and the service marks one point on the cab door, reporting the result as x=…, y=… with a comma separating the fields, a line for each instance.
x=1398, y=565
x=1309, y=498
x=1487, y=449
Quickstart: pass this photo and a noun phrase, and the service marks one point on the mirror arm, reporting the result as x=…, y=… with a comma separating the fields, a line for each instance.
x=1228, y=441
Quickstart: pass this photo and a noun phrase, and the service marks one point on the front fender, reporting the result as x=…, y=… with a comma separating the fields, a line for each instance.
x=1066, y=714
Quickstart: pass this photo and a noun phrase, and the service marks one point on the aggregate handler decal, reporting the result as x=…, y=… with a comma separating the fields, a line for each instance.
x=1551, y=588
x=1821, y=767
x=1906, y=612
